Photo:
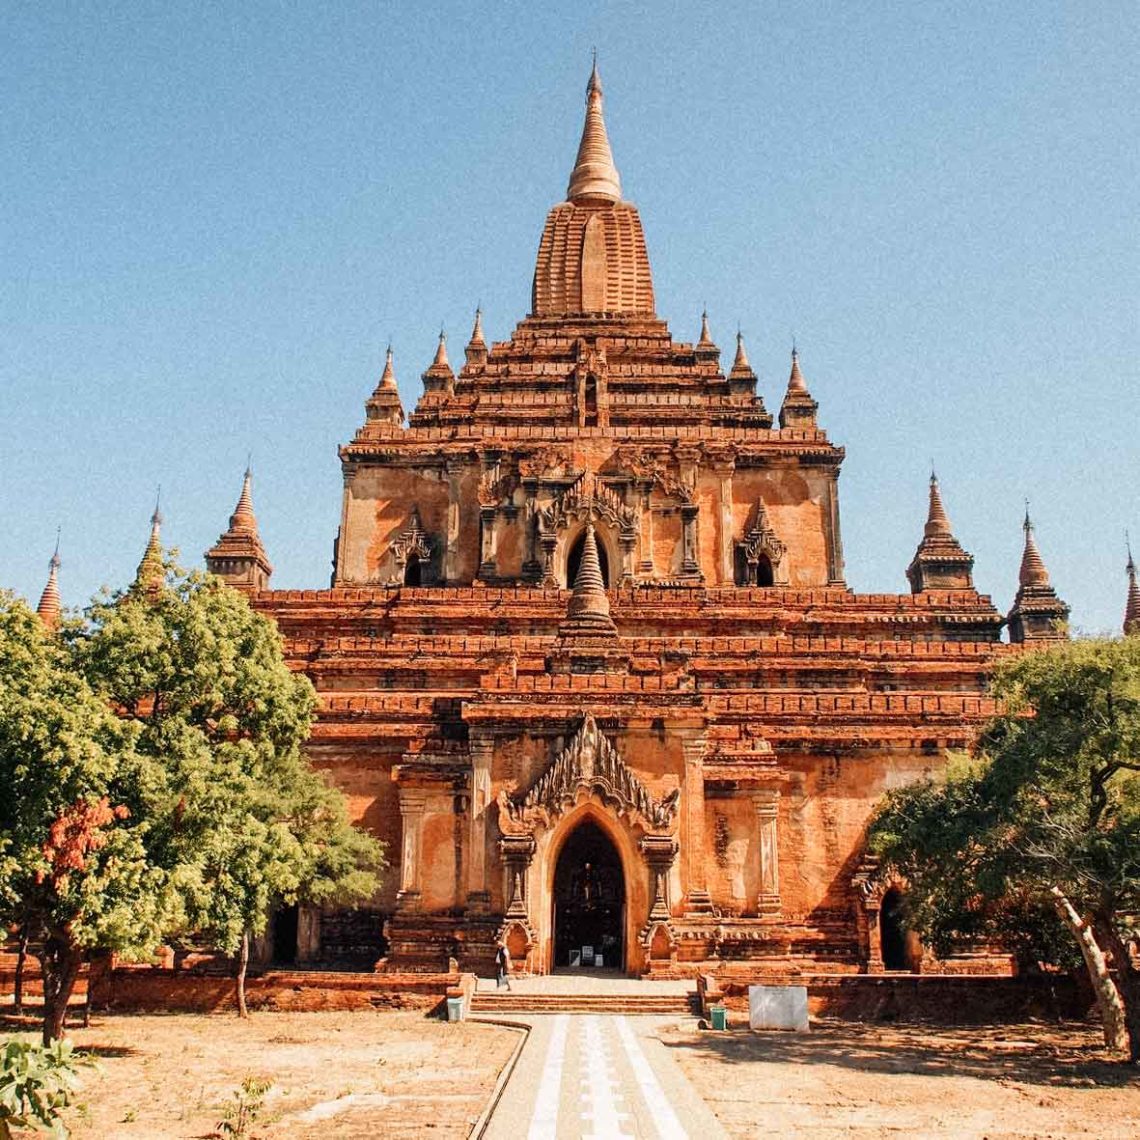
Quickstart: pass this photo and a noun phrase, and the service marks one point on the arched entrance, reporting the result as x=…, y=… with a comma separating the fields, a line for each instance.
x=588, y=916
x=892, y=930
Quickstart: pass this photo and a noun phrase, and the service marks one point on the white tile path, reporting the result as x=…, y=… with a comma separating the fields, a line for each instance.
x=597, y=1077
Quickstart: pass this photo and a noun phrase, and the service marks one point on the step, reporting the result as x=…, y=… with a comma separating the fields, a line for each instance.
x=680, y=1005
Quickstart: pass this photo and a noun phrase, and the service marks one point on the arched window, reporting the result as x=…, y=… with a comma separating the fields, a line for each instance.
x=764, y=574
x=413, y=571
x=574, y=560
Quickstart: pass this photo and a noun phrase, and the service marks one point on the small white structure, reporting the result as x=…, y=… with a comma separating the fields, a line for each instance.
x=778, y=1007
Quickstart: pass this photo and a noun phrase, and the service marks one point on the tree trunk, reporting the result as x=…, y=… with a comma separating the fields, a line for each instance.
x=243, y=965
x=1127, y=978
x=21, y=962
x=1108, y=999
x=60, y=961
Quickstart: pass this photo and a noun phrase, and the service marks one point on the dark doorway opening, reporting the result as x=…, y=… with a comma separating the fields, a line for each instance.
x=285, y=929
x=764, y=574
x=574, y=560
x=589, y=902
x=892, y=931
x=413, y=571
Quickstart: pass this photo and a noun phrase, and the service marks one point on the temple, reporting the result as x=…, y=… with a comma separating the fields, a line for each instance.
x=589, y=663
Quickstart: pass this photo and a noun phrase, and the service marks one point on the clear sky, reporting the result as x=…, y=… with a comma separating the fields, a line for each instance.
x=216, y=215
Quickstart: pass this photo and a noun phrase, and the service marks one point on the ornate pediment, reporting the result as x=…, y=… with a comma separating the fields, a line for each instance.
x=760, y=539
x=589, y=763
x=588, y=497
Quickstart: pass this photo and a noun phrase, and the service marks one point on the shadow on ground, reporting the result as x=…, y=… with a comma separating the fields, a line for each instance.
x=1067, y=1055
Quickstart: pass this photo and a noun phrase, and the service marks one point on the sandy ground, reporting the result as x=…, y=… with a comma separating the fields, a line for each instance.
x=846, y=1080
x=334, y=1075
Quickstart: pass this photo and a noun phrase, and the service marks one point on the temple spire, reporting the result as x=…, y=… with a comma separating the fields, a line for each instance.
x=1038, y=615
x=594, y=177
x=151, y=574
x=1132, y=606
x=937, y=521
x=706, y=336
x=476, y=350
x=1033, y=572
x=439, y=376
x=49, y=608
x=740, y=363
x=384, y=404
x=238, y=557
x=798, y=408
x=939, y=563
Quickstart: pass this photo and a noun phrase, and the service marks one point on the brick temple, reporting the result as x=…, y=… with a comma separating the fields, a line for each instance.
x=589, y=663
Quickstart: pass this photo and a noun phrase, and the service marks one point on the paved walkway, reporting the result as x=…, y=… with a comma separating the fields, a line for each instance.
x=590, y=1075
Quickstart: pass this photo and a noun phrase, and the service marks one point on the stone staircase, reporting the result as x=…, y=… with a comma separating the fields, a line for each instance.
x=586, y=994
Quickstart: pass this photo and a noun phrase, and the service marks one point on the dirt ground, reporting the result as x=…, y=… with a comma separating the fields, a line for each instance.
x=334, y=1075
x=847, y=1080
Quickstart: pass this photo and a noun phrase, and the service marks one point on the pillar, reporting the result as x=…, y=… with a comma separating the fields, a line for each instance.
x=482, y=749
x=659, y=852
x=727, y=570
x=767, y=804
x=645, y=566
x=517, y=852
x=697, y=898
x=413, y=805
x=451, y=539
x=487, y=567
x=689, y=562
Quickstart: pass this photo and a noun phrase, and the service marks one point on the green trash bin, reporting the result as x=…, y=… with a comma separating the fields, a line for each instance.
x=719, y=1016
x=455, y=1009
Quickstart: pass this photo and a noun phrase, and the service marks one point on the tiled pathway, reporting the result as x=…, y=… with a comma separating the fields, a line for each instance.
x=590, y=1075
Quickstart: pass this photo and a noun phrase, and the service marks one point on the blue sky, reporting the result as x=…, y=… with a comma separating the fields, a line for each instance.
x=216, y=216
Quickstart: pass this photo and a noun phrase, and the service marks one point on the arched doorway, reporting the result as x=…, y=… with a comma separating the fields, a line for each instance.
x=413, y=571
x=589, y=901
x=892, y=931
x=574, y=560
x=764, y=573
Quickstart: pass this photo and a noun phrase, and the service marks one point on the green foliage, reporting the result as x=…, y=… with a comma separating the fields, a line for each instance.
x=1050, y=798
x=154, y=756
x=36, y=1083
x=248, y=1102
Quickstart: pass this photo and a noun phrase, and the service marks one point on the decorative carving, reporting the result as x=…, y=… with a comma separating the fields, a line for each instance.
x=589, y=761
x=653, y=466
x=413, y=540
x=587, y=498
x=545, y=462
x=761, y=540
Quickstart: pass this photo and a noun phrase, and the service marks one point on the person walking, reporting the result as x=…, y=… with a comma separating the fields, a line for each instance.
x=502, y=966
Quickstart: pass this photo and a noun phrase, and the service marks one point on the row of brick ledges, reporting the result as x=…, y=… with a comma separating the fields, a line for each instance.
x=586, y=992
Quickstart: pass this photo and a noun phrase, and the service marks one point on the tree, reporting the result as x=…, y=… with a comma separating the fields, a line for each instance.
x=1044, y=815
x=74, y=868
x=206, y=814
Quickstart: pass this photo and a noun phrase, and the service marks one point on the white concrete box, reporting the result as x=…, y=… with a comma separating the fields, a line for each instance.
x=777, y=1007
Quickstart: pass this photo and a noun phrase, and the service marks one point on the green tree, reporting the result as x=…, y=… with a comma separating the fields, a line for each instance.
x=74, y=867
x=191, y=807
x=1044, y=814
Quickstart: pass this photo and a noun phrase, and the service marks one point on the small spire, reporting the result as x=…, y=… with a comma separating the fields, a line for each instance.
x=594, y=177
x=706, y=337
x=243, y=517
x=49, y=608
x=588, y=612
x=440, y=360
x=388, y=376
x=937, y=521
x=796, y=380
x=740, y=364
x=1132, y=606
x=1033, y=572
x=477, y=331
x=151, y=573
